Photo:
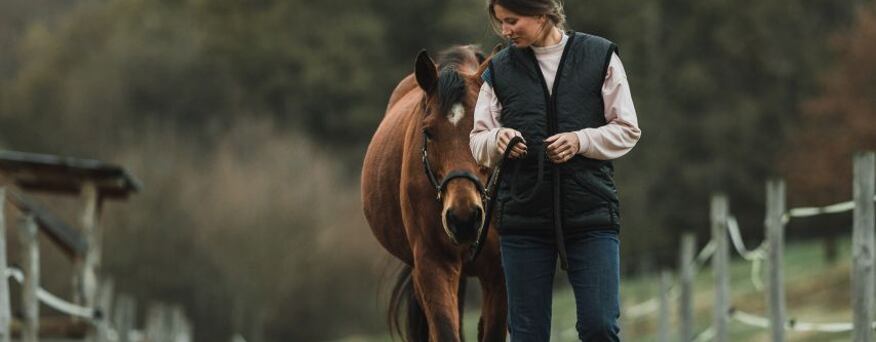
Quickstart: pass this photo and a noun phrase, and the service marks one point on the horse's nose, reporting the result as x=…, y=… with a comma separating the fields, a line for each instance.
x=464, y=224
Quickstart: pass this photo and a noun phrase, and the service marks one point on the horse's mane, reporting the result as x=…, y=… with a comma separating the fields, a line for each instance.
x=466, y=58
x=452, y=61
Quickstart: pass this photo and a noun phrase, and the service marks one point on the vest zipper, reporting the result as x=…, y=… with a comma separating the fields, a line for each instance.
x=553, y=126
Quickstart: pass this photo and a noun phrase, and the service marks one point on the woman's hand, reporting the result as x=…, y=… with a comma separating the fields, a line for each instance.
x=504, y=137
x=562, y=147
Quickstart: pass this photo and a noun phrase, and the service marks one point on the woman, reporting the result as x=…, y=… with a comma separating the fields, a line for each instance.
x=566, y=95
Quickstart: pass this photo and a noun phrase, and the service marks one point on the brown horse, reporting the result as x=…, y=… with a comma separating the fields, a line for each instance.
x=430, y=113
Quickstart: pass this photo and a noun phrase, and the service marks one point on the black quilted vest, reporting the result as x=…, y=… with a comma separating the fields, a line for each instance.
x=582, y=189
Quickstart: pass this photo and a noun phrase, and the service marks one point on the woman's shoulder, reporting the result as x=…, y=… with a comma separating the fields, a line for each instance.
x=592, y=44
x=589, y=38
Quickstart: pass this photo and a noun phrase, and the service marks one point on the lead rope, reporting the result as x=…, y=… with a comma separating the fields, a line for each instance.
x=537, y=182
x=558, y=215
x=490, y=191
x=492, y=188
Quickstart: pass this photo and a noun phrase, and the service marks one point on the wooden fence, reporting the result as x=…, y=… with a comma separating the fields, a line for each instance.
x=94, y=313
x=771, y=252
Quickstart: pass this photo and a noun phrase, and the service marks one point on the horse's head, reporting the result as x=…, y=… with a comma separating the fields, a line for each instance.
x=450, y=92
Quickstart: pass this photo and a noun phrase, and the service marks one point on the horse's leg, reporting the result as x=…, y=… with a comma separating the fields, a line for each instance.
x=460, y=297
x=416, y=328
x=436, y=284
x=493, y=325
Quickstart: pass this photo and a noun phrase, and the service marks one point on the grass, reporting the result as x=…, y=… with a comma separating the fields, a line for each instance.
x=816, y=292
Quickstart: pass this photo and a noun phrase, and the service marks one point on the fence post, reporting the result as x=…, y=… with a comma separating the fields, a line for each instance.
x=85, y=273
x=157, y=323
x=665, y=284
x=719, y=211
x=30, y=257
x=863, y=246
x=686, y=278
x=105, y=302
x=775, y=234
x=180, y=328
x=124, y=313
x=5, y=310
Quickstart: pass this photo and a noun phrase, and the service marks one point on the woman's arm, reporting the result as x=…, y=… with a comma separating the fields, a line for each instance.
x=621, y=132
x=486, y=126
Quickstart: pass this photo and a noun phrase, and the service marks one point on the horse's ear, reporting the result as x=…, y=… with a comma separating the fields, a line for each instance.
x=496, y=49
x=483, y=67
x=485, y=63
x=480, y=56
x=427, y=74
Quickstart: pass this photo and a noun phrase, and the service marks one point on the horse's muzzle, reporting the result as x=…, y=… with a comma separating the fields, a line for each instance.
x=464, y=225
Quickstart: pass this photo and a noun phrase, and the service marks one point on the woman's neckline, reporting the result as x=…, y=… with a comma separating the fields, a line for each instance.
x=539, y=50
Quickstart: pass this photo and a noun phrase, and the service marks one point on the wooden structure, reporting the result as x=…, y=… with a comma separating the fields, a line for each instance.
x=90, y=181
x=771, y=252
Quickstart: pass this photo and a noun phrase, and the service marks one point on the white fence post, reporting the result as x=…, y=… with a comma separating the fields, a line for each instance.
x=180, y=328
x=30, y=256
x=105, y=302
x=86, y=269
x=775, y=234
x=5, y=310
x=124, y=317
x=719, y=211
x=663, y=319
x=157, y=323
x=686, y=278
x=863, y=246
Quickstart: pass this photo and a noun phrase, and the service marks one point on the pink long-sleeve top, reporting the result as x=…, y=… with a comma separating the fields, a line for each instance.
x=610, y=141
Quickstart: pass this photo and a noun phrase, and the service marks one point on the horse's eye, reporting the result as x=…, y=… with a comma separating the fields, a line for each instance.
x=428, y=134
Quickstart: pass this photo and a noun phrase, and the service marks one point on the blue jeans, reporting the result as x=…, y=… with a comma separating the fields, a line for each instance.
x=594, y=273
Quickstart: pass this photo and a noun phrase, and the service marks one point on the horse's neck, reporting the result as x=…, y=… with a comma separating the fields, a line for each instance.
x=407, y=84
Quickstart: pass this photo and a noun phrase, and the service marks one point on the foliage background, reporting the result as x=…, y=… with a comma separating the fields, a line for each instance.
x=247, y=122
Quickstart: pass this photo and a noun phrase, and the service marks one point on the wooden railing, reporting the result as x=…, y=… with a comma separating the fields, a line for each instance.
x=725, y=232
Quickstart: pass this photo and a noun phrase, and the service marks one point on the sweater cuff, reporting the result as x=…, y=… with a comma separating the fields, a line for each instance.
x=493, y=154
x=583, y=141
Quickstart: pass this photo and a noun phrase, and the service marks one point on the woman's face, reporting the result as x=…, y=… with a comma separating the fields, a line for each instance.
x=522, y=30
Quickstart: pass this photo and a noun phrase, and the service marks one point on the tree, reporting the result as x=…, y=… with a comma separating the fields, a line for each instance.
x=839, y=121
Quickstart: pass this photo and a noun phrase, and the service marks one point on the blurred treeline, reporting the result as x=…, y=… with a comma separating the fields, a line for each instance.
x=247, y=122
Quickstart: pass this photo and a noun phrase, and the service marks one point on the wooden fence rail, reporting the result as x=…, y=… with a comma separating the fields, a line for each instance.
x=108, y=322
x=776, y=319
x=91, y=310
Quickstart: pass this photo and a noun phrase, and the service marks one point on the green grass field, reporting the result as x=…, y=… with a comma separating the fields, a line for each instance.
x=817, y=292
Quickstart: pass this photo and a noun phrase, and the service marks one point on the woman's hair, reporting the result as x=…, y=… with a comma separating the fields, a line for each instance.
x=552, y=9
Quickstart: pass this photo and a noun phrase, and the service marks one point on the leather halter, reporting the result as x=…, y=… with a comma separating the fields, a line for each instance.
x=440, y=186
x=487, y=194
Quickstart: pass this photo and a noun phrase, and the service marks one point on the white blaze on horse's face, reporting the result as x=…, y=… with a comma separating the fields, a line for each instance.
x=456, y=114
